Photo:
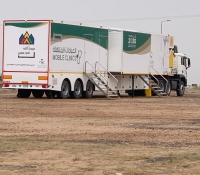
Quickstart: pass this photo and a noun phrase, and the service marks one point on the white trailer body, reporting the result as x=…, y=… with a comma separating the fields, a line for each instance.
x=133, y=52
x=72, y=60
x=69, y=52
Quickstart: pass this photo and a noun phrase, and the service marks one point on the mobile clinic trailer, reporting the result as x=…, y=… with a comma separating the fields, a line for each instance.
x=67, y=60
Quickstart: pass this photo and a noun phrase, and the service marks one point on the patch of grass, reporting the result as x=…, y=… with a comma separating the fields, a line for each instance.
x=186, y=166
x=87, y=169
x=193, y=90
x=76, y=159
x=185, y=160
x=17, y=167
x=20, y=145
x=134, y=172
x=32, y=153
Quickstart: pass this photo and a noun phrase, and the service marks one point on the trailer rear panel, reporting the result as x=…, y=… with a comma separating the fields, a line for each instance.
x=26, y=52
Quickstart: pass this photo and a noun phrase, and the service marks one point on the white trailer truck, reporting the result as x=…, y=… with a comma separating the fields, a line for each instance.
x=64, y=60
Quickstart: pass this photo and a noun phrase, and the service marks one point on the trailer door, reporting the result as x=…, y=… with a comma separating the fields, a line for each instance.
x=103, y=53
x=89, y=51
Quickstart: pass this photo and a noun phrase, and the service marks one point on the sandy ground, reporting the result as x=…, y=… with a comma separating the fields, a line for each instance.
x=128, y=136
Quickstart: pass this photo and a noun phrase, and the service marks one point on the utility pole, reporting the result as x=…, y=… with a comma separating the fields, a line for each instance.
x=162, y=22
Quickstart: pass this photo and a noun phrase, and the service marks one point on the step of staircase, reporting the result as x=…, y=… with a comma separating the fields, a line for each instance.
x=99, y=82
x=163, y=93
x=154, y=86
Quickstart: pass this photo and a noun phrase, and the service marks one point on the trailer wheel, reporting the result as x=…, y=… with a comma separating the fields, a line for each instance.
x=89, y=90
x=77, y=93
x=162, y=85
x=169, y=87
x=65, y=89
x=48, y=95
x=38, y=93
x=24, y=93
x=181, y=90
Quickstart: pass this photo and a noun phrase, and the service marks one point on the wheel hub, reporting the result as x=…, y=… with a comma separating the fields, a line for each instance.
x=89, y=89
x=65, y=89
x=78, y=90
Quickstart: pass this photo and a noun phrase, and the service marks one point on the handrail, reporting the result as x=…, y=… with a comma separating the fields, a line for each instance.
x=100, y=75
x=106, y=71
x=89, y=64
x=167, y=82
x=155, y=78
x=160, y=74
x=95, y=70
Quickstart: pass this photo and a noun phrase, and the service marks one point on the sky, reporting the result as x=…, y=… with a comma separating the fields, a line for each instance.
x=139, y=15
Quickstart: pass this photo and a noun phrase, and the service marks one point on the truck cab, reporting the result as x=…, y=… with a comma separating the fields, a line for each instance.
x=181, y=64
x=179, y=71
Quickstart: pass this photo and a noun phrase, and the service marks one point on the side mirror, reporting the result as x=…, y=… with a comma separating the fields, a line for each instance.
x=189, y=63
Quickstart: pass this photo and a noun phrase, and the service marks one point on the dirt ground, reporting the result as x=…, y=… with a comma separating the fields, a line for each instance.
x=126, y=136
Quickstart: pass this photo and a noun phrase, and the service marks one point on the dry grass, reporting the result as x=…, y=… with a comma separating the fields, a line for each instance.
x=193, y=90
x=30, y=154
x=139, y=136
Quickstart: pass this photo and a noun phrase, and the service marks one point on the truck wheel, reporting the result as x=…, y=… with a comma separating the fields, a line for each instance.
x=77, y=93
x=89, y=90
x=38, y=93
x=181, y=90
x=24, y=93
x=48, y=95
x=169, y=87
x=65, y=89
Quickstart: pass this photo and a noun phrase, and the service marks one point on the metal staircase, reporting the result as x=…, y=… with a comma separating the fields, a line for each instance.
x=154, y=84
x=100, y=79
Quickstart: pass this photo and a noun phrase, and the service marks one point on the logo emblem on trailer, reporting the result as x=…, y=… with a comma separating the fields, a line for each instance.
x=79, y=56
x=26, y=39
x=42, y=61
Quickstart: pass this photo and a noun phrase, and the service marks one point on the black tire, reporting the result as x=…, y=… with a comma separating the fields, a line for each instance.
x=37, y=93
x=65, y=90
x=77, y=93
x=89, y=90
x=130, y=94
x=24, y=93
x=181, y=90
x=50, y=95
x=169, y=88
x=162, y=85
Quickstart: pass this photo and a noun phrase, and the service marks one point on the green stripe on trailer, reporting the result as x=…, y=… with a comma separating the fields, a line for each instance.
x=25, y=24
x=136, y=43
x=95, y=35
